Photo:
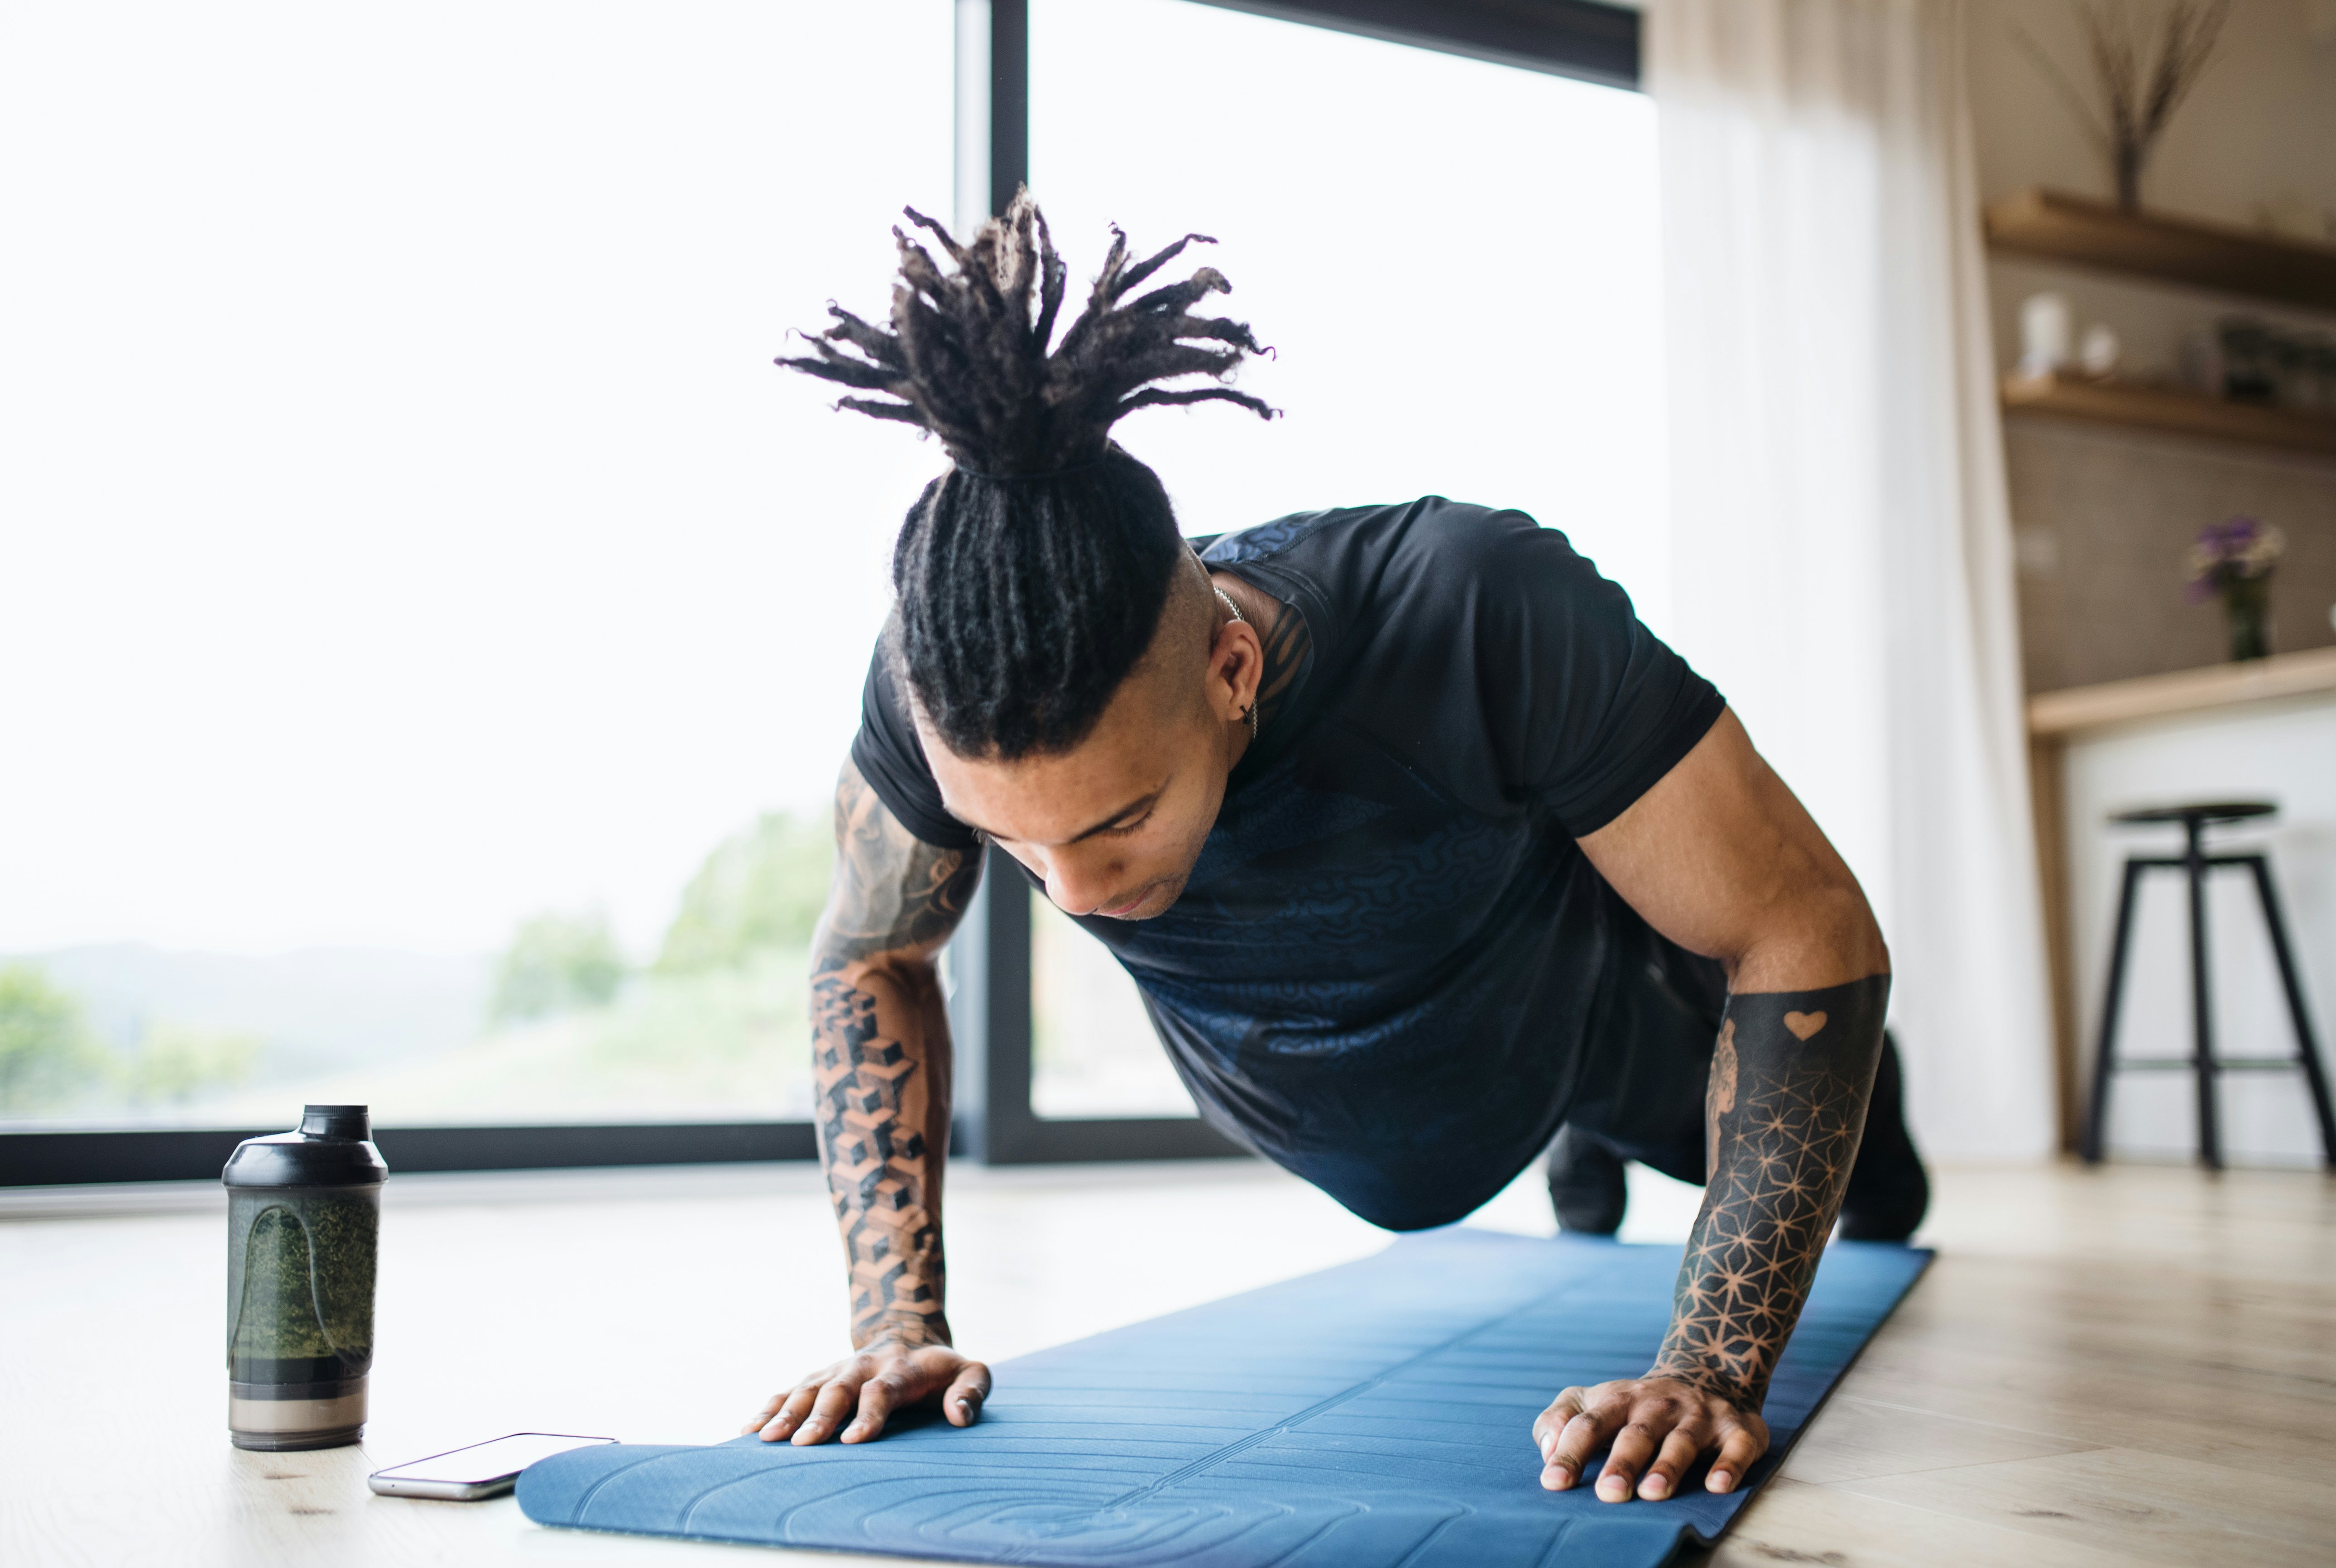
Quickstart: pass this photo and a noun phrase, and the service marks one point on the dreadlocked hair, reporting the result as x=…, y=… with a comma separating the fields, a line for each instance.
x=1030, y=577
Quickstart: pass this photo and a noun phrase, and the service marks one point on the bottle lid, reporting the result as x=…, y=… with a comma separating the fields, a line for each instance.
x=331, y=1147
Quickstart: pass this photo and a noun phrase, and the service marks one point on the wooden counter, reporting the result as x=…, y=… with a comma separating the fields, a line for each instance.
x=2057, y=718
x=2085, y=707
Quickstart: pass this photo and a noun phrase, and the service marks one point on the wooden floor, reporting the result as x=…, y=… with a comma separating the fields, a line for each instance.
x=2131, y=1366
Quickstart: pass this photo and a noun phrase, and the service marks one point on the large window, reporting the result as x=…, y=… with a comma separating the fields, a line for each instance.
x=1457, y=263
x=432, y=624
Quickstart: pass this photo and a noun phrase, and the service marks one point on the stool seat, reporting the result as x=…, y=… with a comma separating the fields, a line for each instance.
x=2199, y=811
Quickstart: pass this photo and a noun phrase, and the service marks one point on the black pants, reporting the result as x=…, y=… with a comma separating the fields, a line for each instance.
x=1642, y=1094
x=1642, y=1091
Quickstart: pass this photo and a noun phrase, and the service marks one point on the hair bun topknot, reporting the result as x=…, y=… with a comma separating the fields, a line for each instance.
x=967, y=355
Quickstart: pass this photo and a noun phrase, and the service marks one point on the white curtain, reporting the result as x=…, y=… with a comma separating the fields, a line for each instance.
x=1841, y=541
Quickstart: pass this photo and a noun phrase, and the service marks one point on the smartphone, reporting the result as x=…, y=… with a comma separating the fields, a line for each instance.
x=480, y=1470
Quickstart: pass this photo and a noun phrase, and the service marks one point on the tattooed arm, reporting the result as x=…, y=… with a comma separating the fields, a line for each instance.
x=1720, y=858
x=880, y=1064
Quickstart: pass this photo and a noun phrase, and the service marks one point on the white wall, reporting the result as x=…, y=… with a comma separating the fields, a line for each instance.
x=2284, y=752
x=2103, y=514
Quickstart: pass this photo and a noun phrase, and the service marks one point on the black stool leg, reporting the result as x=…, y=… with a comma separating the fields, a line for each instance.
x=2307, y=1050
x=2104, y=1054
x=2202, y=1002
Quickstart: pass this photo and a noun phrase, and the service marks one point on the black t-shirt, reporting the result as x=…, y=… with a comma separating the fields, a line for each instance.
x=1391, y=957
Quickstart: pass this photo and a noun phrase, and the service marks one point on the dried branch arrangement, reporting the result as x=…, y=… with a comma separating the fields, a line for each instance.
x=2141, y=87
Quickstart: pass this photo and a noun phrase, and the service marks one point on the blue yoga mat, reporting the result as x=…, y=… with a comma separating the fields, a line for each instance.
x=1371, y=1415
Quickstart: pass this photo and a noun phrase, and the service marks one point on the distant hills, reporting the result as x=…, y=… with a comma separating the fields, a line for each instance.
x=407, y=1034
x=715, y=1027
x=314, y=1010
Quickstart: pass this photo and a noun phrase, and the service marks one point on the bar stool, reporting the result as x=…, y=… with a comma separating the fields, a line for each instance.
x=2195, y=863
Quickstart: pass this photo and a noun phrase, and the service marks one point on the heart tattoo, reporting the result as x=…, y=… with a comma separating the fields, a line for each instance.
x=1804, y=1025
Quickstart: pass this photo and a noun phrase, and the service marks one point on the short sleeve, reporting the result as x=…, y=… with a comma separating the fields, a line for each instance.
x=891, y=759
x=1596, y=707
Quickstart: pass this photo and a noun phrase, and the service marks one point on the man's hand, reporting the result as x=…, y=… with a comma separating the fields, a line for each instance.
x=868, y=1386
x=1658, y=1427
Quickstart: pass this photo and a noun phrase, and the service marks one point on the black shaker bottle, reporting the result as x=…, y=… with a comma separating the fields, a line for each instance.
x=303, y=1219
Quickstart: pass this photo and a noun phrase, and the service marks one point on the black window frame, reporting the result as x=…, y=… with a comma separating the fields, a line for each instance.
x=1578, y=38
x=990, y=957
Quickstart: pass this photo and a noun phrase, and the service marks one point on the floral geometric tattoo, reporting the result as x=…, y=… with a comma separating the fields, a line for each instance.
x=1786, y=1115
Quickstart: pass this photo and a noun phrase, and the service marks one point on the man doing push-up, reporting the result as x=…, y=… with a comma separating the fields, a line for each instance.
x=1419, y=846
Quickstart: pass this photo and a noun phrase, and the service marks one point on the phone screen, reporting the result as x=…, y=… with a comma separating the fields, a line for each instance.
x=483, y=1462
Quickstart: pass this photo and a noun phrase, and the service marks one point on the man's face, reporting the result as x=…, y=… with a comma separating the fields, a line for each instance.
x=1114, y=824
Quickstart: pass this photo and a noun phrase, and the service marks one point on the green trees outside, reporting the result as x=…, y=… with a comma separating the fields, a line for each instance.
x=759, y=891
x=714, y=1025
x=557, y=963
x=46, y=1053
x=174, y=1064
x=49, y=1057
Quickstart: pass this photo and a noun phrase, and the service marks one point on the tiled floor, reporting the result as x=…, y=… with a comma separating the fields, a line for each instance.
x=2131, y=1366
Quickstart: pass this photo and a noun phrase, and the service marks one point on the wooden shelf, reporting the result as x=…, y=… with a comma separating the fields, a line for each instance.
x=2087, y=708
x=2184, y=413
x=2177, y=250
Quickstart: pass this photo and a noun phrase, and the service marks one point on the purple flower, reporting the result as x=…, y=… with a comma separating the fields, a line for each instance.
x=2236, y=549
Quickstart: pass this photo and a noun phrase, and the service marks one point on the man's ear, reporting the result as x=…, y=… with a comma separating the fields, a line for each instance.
x=1236, y=669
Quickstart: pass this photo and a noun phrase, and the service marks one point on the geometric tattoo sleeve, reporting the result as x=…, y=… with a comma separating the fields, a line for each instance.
x=876, y=1167
x=1785, y=1110
x=880, y=1064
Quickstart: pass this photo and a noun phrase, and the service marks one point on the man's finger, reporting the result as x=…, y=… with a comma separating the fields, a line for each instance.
x=763, y=1417
x=1738, y=1448
x=1687, y=1439
x=1551, y=1421
x=834, y=1402
x=1582, y=1437
x=887, y=1391
x=791, y=1410
x=1634, y=1445
x=962, y=1401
